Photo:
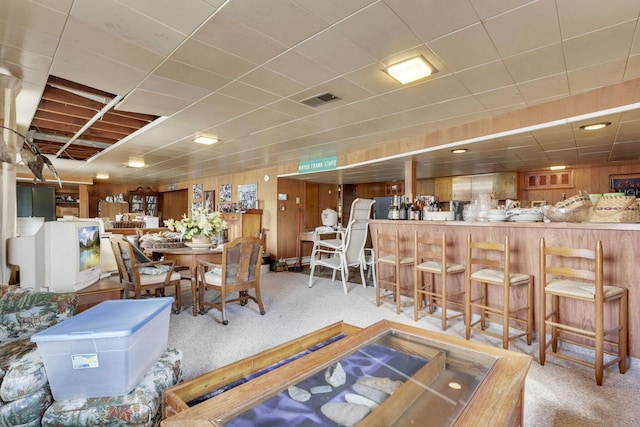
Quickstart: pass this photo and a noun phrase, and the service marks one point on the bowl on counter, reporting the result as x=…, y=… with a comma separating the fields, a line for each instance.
x=440, y=216
x=578, y=214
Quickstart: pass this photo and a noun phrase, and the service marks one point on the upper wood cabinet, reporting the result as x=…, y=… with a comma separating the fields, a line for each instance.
x=443, y=188
x=469, y=187
x=550, y=179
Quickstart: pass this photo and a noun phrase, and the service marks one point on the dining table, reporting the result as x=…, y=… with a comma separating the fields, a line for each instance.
x=189, y=257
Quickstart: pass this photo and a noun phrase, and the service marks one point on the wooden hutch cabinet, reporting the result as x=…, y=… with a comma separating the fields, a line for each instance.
x=143, y=201
x=243, y=224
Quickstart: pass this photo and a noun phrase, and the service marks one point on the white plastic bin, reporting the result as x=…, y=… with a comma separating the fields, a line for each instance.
x=105, y=350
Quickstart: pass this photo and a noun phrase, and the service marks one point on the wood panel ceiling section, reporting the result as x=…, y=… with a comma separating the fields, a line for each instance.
x=73, y=112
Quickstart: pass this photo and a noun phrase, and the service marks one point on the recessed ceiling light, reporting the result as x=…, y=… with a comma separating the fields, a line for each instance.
x=410, y=70
x=207, y=140
x=557, y=168
x=102, y=175
x=459, y=150
x=136, y=162
x=595, y=126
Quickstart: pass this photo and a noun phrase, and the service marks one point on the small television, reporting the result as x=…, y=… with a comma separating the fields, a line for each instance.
x=62, y=256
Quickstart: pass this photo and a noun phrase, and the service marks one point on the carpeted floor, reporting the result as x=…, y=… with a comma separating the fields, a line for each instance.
x=557, y=394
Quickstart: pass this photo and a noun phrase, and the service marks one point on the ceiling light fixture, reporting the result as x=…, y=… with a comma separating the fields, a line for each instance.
x=595, y=126
x=459, y=150
x=557, y=168
x=206, y=140
x=136, y=162
x=410, y=70
x=102, y=175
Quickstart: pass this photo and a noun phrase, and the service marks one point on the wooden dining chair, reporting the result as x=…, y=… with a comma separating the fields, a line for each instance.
x=239, y=272
x=430, y=257
x=389, y=264
x=142, y=275
x=489, y=263
x=578, y=274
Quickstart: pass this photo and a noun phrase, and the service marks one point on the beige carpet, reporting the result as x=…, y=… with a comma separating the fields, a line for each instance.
x=557, y=394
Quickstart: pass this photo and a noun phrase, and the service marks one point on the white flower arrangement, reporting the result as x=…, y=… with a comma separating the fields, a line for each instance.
x=201, y=223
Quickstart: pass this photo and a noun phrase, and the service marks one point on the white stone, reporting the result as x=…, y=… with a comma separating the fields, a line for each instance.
x=345, y=414
x=370, y=392
x=298, y=394
x=360, y=400
x=383, y=384
x=335, y=375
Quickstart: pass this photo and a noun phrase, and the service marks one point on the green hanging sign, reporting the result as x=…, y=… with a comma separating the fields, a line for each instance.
x=317, y=165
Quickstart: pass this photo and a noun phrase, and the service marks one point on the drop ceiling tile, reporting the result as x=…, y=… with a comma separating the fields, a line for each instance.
x=86, y=36
x=335, y=51
x=20, y=37
x=212, y=59
x=596, y=76
x=391, y=35
x=331, y=11
x=489, y=8
x=528, y=27
x=272, y=82
x=544, y=89
x=90, y=69
x=373, y=79
x=234, y=37
x=185, y=73
x=113, y=16
x=579, y=17
x=485, y=77
x=299, y=68
x=581, y=51
x=248, y=93
x=537, y=63
x=172, y=88
x=268, y=18
x=466, y=48
x=27, y=14
x=502, y=99
x=445, y=88
x=185, y=15
x=159, y=104
x=452, y=15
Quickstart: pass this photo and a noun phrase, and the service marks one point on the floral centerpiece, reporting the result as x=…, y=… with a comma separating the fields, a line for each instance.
x=201, y=223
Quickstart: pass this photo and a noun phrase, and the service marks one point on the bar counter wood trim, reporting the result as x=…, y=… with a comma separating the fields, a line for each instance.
x=621, y=244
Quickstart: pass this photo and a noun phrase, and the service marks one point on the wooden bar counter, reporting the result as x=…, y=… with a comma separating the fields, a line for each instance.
x=621, y=244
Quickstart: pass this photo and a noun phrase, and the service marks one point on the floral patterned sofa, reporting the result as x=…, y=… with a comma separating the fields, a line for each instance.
x=24, y=389
x=25, y=396
x=140, y=408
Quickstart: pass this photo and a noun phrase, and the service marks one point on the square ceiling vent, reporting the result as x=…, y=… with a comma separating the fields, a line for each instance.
x=317, y=100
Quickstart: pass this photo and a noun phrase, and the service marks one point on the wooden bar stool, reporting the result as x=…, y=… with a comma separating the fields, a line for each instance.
x=577, y=274
x=388, y=254
x=489, y=263
x=430, y=255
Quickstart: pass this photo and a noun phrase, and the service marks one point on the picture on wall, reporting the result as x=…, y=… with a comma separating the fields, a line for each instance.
x=196, y=206
x=197, y=191
x=209, y=200
x=225, y=193
x=248, y=196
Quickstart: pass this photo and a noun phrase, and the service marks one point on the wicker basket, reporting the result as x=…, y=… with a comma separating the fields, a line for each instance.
x=616, y=209
x=579, y=200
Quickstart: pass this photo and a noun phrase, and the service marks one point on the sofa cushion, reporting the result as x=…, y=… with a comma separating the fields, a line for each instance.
x=25, y=411
x=26, y=376
x=141, y=407
x=26, y=312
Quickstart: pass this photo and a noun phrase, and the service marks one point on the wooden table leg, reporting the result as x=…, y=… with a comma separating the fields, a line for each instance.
x=194, y=286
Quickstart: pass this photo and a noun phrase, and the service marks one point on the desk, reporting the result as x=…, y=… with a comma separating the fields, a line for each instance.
x=188, y=257
x=102, y=290
x=307, y=237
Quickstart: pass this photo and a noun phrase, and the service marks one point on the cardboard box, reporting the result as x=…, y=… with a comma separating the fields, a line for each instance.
x=105, y=350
